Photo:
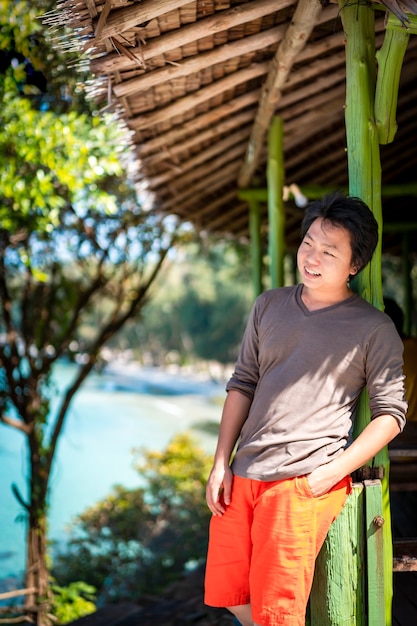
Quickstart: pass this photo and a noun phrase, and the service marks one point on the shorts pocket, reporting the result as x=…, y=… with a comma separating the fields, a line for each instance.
x=303, y=487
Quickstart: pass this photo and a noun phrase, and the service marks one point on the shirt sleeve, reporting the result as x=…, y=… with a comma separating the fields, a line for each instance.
x=384, y=373
x=246, y=372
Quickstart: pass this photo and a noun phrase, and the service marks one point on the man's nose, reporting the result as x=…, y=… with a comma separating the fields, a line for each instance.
x=312, y=257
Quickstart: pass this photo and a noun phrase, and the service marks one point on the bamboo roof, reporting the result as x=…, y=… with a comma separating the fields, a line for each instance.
x=197, y=84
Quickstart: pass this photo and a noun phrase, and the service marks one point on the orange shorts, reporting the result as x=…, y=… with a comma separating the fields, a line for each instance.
x=262, y=550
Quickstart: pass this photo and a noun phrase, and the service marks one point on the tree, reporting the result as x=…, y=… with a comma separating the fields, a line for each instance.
x=201, y=309
x=50, y=283
x=73, y=240
x=134, y=542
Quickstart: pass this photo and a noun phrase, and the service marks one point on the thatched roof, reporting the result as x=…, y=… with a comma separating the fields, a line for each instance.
x=198, y=83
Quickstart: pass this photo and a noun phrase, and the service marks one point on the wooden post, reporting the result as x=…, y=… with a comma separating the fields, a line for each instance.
x=276, y=211
x=338, y=593
x=375, y=552
x=255, y=245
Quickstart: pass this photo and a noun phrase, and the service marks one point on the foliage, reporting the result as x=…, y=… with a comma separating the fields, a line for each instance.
x=72, y=602
x=75, y=244
x=53, y=162
x=134, y=542
x=200, y=309
x=31, y=57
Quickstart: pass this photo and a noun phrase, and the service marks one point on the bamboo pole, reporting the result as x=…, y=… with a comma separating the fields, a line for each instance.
x=365, y=182
x=276, y=211
x=390, y=58
x=255, y=246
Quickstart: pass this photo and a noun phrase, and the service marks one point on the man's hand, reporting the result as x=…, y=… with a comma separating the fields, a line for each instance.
x=322, y=479
x=219, y=489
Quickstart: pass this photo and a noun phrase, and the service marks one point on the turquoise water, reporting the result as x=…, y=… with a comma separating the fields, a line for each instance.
x=111, y=415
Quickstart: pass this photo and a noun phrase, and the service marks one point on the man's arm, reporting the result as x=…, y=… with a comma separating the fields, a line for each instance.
x=235, y=412
x=377, y=434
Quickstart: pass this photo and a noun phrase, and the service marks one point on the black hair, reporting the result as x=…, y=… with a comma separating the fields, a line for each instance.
x=352, y=214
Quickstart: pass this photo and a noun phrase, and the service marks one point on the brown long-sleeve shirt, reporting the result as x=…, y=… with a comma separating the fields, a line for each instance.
x=305, y=371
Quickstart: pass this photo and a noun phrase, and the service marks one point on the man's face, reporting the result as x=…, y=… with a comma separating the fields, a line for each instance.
x=324, y=257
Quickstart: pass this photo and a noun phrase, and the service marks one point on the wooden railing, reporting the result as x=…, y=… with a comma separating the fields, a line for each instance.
x=8, y=595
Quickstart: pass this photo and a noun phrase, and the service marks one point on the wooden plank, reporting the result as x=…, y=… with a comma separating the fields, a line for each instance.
x=102, y=19
x=199, y=62
x=213, y=116
x=91, y=7
x=216, y=180
x=191, y=101
x=179, y=181
x=375, y=552
x=210, y=135
x=190, y=33
x=133, y=15
x=338, y=593
x=219, y=147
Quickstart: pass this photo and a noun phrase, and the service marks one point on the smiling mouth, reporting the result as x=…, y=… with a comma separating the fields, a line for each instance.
x=311, y=273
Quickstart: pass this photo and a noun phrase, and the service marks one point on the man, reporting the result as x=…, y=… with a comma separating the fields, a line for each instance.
x=307, y=353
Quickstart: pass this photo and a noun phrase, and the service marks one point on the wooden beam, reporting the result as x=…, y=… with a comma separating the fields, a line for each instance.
x=191, y=101
x=102, y=19
x=173, y=153
x=311, y=89
x=220, y=21
x=200, y=173
x=91, y=7
x=215, y=181
x=218, y=222
x=133, y=15
x=298, y=157
x=201, y=61
x=296, y=37
x=210, y=207
x=179, y=133
x=204, y=156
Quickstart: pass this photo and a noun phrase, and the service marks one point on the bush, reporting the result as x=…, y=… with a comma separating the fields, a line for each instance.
x=136, y=541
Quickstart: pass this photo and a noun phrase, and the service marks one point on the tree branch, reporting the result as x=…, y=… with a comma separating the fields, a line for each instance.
x=104, y=335
x=14, y=423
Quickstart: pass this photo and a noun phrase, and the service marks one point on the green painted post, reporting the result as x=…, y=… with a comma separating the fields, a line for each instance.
x=375, y=523
x=255, y=245
x=338, y=593
x=365, y=182
x=390, y=58
x=276, y=210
